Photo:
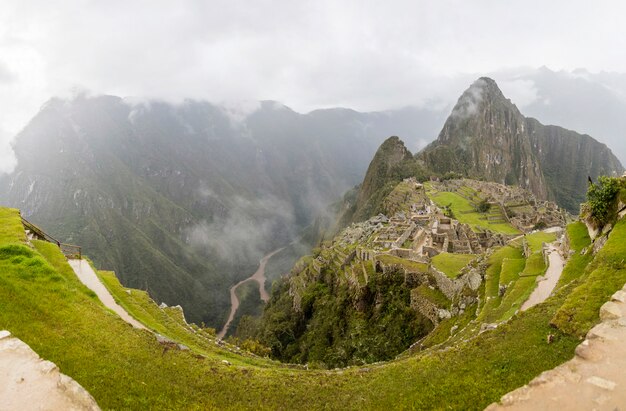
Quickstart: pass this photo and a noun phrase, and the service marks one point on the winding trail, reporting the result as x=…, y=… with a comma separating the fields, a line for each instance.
x=259, y=277
x=548, y=281
x=87, y=276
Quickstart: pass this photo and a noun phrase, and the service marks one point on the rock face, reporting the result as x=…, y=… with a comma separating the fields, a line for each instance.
x=391, y=155
x=29, y=383
x=486, y=137
x=201, y=191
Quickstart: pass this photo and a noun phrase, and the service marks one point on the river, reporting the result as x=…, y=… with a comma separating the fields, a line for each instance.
x=259, y=277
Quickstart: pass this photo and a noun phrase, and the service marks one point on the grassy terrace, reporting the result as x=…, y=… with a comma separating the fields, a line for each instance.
x=509, y=269
x=433, y=295
x=411, y=265
x=451, y=264
x=465, y=212
x=43, y=303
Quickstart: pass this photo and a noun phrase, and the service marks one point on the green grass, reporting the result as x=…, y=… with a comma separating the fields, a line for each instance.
x=579, y=239
x=435, y=296
x=511, y=269
x=409, y=264
x=601, y=278
x=492, y=278
x=451, y=264
x=11, y=228
x=465, y=212
x=169, y=321
x=442, y=332
x=43, y=303
x=536, y=240
x=535, y=265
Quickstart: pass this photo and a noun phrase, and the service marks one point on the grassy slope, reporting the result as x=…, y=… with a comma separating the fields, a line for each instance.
x=465, y=212
x=42, y=302
x=601, y=278
x=169, y=322
x=579, y=239
x=451, y=264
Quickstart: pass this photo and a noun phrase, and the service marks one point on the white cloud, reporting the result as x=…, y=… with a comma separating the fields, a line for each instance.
x=7, y=156
x=522, y=92
x=362, y=54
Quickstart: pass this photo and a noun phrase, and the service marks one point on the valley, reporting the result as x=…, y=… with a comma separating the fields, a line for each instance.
x=259, y=277
x=464, y=286
x=489, y=349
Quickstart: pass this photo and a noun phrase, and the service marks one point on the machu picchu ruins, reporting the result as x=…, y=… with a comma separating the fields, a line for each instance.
x=460, y=219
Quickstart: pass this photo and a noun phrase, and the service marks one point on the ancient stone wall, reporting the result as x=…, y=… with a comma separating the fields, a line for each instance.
x=424, y=306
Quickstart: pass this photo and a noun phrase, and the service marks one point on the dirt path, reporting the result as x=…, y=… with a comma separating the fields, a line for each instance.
x=28, y=382
x=88, y=277
x=259, y=277
x=593, y=380
x=548, y=281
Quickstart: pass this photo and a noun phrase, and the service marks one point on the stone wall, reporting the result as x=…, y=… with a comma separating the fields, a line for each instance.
x=424, y=306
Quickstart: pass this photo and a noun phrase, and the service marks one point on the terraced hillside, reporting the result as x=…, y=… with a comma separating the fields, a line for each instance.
x=461, y=364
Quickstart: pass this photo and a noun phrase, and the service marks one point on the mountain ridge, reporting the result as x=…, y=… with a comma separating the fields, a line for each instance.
x=486, y=136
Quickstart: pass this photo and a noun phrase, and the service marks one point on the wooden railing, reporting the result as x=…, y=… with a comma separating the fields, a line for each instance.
x=69, y=250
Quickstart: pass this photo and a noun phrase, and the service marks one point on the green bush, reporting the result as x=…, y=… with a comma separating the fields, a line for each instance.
x=601, y=198
x=483, y=206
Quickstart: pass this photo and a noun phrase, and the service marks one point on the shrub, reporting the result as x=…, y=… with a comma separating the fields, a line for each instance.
x=601, y=196
x=483, y=206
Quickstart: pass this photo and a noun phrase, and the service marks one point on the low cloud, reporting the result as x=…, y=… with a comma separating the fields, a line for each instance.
x=6, y=76
x=8, y=161
x=249, y=229
x=469, y=102
x=522, y=92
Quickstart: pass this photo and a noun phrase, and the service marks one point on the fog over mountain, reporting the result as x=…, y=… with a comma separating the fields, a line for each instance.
x=367, y=56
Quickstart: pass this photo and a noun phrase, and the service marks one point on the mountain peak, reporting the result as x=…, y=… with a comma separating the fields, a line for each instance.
x=482, y=90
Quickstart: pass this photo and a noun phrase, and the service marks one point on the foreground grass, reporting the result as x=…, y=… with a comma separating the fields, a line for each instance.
x=44, y=304
x=451, y=264
x=170, y=322
x=11, y=229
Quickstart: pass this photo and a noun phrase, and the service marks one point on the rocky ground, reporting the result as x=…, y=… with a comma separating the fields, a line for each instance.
x=28, y=382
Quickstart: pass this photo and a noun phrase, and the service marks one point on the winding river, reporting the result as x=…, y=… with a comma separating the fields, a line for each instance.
x=259, y=277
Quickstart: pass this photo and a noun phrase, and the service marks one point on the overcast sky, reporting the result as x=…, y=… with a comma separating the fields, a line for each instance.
x=367, y=55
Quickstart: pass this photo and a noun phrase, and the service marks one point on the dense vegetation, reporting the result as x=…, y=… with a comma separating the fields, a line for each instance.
x=601, y=198
x=336, y=328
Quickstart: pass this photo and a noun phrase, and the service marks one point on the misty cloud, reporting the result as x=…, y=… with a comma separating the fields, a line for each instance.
x=358, y=54
x=246, y=233
x=6, y=76
x=470, y=100
x=8, y=161
x=522, y=92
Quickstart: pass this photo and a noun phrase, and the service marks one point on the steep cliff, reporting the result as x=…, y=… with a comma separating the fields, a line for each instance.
x=486, y=137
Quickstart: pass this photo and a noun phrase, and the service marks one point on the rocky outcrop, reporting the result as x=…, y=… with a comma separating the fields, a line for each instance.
x=385, y=167
x=28, y=382
x=486, y=137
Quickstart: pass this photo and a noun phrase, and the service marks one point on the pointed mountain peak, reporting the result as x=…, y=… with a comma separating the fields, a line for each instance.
x=484, y=90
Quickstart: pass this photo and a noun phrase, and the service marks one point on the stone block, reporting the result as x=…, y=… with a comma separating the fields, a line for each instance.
x=610, y=311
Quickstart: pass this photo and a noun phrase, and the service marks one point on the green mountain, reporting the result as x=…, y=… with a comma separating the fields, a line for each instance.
x=486, y=137
x=183, y=200
x=482, y=347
